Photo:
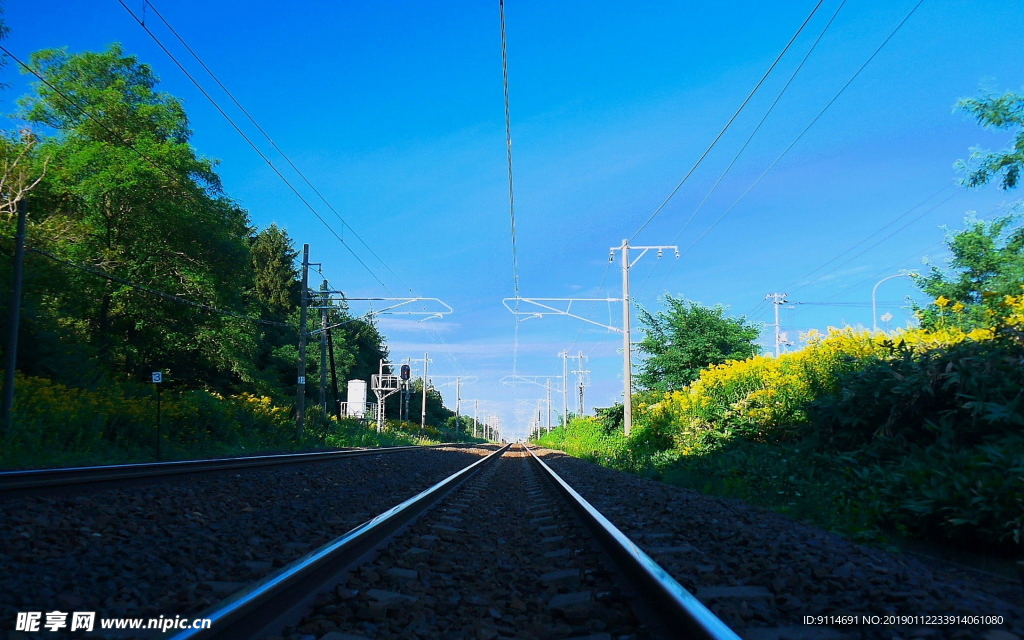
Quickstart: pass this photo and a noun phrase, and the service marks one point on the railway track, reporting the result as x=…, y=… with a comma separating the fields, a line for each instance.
x=496, y=547
x=42, y=480
x=502, y=548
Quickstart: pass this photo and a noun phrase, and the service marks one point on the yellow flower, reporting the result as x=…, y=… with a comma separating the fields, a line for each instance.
x=942, y=301
x=958, y=307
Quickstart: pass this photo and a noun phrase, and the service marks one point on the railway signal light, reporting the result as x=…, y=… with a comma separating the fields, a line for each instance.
x=406, y=372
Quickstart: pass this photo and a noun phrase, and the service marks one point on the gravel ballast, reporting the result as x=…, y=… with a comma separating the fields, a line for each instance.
x=762, y=573
x=179, y=545
x=502, y=557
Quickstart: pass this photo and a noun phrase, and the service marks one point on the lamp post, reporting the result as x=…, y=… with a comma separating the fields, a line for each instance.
x=874, y=290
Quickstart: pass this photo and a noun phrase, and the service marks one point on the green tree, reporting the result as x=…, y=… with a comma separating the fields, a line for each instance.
x=126, y=194
x=996, y=112
x=688, y=337
x=273, y=261
x=987, y=263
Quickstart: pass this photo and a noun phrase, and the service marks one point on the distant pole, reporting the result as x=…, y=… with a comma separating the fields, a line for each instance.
x=157, y=422
x=408, y=391
x=300, y=387
x=158, y=377
x=323, y=346
x=423, y=411
x=778, y=299
x=14, y=319
x=565, y=389
x=549, y=404
x=476, y=409
x=582, y=382
x=458, y=397
x=334, y=375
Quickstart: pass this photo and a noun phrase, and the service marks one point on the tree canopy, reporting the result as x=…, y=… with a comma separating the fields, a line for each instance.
x=987, y=264
x=687, y=337
x=123, y=210
x=996, y=112
x=987, y=261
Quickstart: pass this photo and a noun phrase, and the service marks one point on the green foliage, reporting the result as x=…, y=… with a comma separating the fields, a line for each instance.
x=157, y=219
x=123, y=193
x=439, y=417
x=56, y=425
x=964, y=393
x=997, y=112
x=688, y=337
x=919, y=432
x=987, y=264
x=273, y=261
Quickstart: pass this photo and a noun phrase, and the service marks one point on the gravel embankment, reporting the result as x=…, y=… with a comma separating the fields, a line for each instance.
x=501, y=557
x=177, y=546
x=762, y=572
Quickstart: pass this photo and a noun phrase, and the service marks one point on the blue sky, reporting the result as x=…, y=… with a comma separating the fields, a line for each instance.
x=394, y=111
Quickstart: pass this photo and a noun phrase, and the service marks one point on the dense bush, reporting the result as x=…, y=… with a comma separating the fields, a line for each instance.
x=58, y=425
x=919, y=431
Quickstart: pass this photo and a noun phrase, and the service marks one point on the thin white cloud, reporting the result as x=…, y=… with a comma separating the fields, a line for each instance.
x=403, y=325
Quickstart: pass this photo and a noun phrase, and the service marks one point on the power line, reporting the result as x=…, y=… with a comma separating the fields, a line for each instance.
x=869, y=248
x=729, y=123
x=255, y=148
x=163, y=294
x=508, y=148
x=511, y=195
x=261, y=130
x=852, y=247
x=811, y=124
x=746, y=143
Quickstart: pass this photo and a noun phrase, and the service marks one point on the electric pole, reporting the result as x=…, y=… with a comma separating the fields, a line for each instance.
x=627, y=347
x=580, y=382
x=549, y=404
x=300, y=392
x=778, y=299
x=408, y=393
x=565, y=389
x=423, y=412
x=476, y=409
x=14, y=319
x=323, y=346
x=458, y=397
x=334, y=376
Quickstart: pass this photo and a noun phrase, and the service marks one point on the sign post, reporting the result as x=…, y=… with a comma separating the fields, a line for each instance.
x=158, y=377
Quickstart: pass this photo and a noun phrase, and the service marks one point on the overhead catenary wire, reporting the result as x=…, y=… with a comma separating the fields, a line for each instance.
x=809, y=125
x=255, y=147
x=729, y=122
x=889, y=268
x=259, y=128
x=511, y=194
x=883, y=239
x=750, y=137
x=508, y=148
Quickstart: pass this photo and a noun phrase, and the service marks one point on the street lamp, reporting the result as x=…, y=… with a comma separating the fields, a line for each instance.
x=874, y=311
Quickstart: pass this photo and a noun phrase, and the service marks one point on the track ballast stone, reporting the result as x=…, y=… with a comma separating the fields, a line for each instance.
x=502, y=557
x=179, y=545
x=762, y=573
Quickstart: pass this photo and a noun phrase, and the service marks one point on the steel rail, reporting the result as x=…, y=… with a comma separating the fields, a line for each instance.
x=675, y=607
x=264, y=607
x=70, y=476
